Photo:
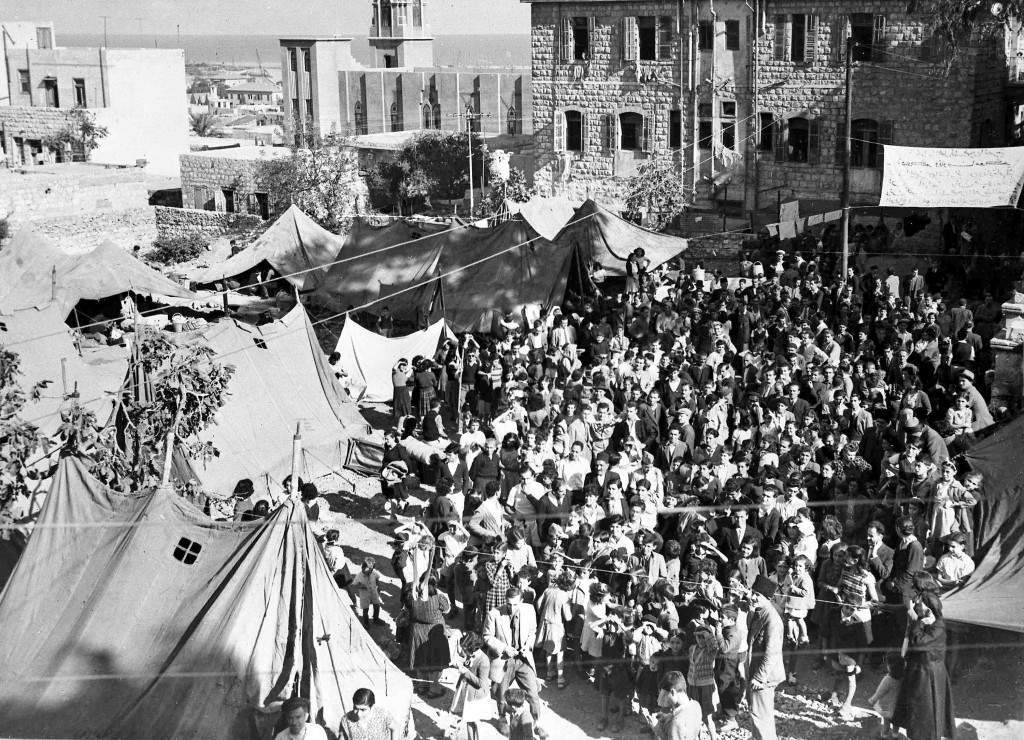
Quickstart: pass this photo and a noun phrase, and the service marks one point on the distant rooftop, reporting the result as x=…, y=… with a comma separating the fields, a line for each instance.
x=255, y=86
x=251, y=152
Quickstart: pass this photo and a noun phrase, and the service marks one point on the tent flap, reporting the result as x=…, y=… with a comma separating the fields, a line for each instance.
x=368, y=357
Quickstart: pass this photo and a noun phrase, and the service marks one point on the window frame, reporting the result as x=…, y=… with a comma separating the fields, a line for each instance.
x=675, y=128
x=705, y=35
x=732, y=35
x=637, y=124
x=562, y=130
x=647, y=26
x=25, y=81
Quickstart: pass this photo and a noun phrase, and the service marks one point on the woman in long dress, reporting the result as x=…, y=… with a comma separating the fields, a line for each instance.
x=924, y=706
x=401, y=400
x=428, y=639
x=553, y=612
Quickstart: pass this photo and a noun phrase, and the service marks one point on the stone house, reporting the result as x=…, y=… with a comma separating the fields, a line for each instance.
x=135, y=93
x=750, y=104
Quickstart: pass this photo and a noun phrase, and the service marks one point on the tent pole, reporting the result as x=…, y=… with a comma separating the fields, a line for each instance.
x=64, y=375
x=293, y=483
x=169, y=442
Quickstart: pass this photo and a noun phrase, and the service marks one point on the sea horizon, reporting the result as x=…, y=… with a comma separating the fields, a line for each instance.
x=450, y=50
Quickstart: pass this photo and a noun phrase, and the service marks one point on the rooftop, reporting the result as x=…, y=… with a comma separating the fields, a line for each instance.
x=250, y=152
x=255, y=86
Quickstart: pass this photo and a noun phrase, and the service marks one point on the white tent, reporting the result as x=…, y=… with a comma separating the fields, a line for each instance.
x=368, y=357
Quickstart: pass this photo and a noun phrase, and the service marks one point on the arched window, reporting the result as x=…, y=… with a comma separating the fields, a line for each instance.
x=360, y=116
x=631, y=131
x=396, y=117
x=799, y=141
x=569, y=131
x=864, y=145
x=427, y=117
x=512, y=121
x=437, y=116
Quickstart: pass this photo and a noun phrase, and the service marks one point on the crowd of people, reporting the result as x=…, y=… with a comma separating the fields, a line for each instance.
x=689, y=493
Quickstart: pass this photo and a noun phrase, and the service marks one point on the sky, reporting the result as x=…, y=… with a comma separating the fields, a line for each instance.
x=290, y=17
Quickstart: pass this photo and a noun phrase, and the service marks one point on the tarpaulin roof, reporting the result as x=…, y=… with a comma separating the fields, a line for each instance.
x=546, y=216
x=994, y=593
x=377, y=262
x=516, y=268
x=139, y=617
x=294, y=243
x=31, y=265
x=368, y=357
x=48, y=357
x=608, y=240
x=281, y=378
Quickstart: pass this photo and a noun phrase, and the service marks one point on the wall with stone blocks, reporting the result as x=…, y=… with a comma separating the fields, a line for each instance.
x=83, y=233
x=33, y=197
x=181, y=222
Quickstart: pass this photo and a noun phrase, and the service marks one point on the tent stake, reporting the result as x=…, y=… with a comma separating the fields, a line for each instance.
x=293, y=483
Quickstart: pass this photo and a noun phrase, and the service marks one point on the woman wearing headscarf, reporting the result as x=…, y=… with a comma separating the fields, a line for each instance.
x=924, y=706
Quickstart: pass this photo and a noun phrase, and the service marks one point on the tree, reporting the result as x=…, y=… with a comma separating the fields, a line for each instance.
x=321, y=178
x=954, y=22
x=203, y=124
x=18, y=438
x=81, y=134
x=655, y=190
x=432, y=165
x=184, y=388
x=513, y=188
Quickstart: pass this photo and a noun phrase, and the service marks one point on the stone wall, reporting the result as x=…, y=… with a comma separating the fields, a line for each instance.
x=83, y=233
x=171, y=223
x=205, y=176
x=32, y=126
x=69, y=190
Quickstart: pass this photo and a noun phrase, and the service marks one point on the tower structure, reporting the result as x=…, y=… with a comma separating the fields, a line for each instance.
x=399, y=36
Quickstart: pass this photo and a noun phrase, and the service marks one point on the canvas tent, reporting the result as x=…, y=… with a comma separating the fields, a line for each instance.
x=138, y=617
x=378, y=262
x=368, y=357
x=295, y=245
x=993, y=595
x=281, y=378
x=546, y=216
x=34, y=272
x=49, y=358
x=505, y=268
x=607, y=240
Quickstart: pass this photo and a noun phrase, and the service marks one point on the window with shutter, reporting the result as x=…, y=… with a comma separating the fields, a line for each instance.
x=779, y=144
x=565, y=40
x=629, y=39
x=862, y=31
x=781, y=47
x=647, y=141
x=814, y=142
x=609, y=131
x=559, y=126
x=583, y=132
x=840, y=34
x=878, y=38
x=811, y=39
x=798, y=37
x=591, y=29
x=665, y=37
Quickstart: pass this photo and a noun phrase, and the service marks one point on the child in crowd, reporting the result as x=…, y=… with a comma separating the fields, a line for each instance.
x=366, y=587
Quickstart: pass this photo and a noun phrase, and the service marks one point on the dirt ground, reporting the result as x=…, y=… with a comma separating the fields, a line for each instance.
x=987, y=694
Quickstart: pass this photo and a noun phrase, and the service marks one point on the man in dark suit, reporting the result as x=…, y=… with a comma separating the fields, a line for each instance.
x=671, y=449
x=766, y=666
x=654, y=419
x=509, y=633
x=601, y=476
x=736, y=529
x=879, y=554
x=628, y=427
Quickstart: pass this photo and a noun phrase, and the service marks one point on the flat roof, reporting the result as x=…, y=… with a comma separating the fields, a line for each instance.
x=245, y=152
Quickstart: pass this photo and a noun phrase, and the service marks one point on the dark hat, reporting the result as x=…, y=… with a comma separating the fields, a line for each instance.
x=244, y=488
x=764, y=587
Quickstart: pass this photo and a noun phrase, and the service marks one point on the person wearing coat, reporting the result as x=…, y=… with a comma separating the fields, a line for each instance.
x=510, y=633
x=924, y=705
x=766, y=669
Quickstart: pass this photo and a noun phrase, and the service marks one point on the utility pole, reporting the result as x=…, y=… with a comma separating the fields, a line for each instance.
x=844, y=228
x=755, y=114
x=104, y=17
x=469, y=116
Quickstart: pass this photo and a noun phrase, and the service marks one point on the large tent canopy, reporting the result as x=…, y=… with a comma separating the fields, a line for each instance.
x=483, y=272
x=994, y=593
x=295, y=245
x=51, y=364
x=35, y=272
x=138, y=617
x=505, y=268
x=603, y=238
x=378, y=262
x=281, y=379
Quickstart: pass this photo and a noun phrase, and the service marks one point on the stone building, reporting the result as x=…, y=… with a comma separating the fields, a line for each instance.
x=748, y=106
x=135, y=93
x=326, y=89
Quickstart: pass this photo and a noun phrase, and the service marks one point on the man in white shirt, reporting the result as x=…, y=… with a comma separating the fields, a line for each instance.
x=573, y=468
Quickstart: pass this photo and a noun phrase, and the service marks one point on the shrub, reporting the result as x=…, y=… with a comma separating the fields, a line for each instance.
x=175, y=249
